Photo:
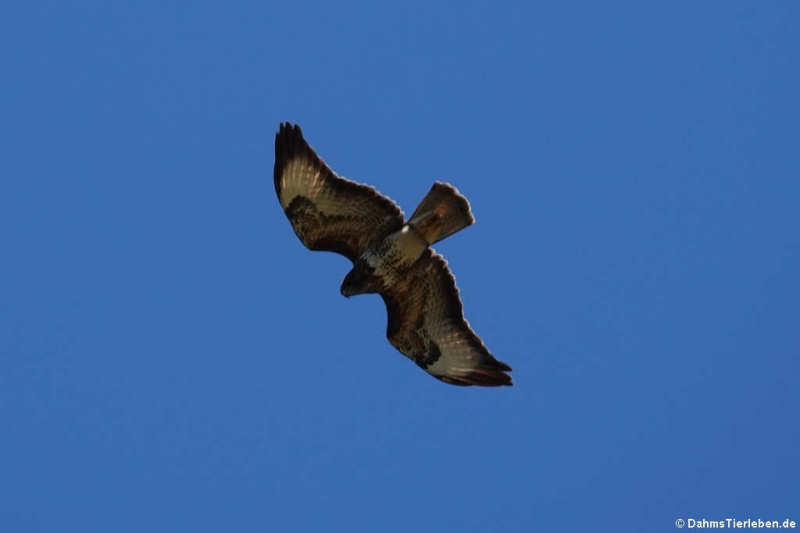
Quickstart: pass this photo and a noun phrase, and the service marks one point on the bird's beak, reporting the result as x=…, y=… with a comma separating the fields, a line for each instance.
x=347, y=284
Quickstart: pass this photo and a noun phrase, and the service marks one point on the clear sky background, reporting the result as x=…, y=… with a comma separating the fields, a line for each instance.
x=172, y=358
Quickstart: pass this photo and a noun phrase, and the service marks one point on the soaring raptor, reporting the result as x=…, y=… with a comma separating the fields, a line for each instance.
x=391, y=257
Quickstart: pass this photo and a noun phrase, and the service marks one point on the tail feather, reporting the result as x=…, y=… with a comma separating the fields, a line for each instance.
x=441, y=213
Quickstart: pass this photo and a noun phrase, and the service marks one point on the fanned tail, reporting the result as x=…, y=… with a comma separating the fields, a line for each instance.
x=441, y=213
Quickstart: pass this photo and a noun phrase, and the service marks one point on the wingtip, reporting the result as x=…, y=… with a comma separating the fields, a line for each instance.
x=287, y=124
x=288, y=143
x=288, y=131
x=484, y=376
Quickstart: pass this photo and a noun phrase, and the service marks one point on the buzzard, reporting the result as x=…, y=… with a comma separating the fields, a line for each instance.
x=391, y=257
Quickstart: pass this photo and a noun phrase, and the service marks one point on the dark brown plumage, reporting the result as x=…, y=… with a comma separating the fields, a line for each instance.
x=390, y=257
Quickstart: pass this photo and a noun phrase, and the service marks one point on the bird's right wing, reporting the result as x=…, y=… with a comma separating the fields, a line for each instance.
x=328, y=212
x=426, y=323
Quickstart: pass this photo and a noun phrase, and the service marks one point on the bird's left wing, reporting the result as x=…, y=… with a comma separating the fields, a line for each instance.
x=328, y=212
x=426, y=323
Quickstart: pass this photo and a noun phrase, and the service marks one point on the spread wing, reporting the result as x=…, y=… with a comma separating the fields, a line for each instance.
x=328, y=212
x=426, y=323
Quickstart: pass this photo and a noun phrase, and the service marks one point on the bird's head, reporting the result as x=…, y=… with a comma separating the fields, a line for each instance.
x=360, y=280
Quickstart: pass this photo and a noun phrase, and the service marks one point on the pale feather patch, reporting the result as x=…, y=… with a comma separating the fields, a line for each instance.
x=300, y=179
x=458, y=356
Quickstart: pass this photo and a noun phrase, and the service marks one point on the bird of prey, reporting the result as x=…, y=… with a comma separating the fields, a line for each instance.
x=391, y=256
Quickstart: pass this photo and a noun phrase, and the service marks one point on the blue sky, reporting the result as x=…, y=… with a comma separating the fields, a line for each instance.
x=172, y=358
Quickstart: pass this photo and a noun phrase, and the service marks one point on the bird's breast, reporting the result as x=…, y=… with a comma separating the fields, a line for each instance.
x=395, y=254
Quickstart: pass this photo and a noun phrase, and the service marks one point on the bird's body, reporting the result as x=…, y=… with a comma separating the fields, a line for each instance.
x=391, y=257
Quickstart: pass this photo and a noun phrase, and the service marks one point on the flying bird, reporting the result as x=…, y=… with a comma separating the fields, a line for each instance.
x=391, y=256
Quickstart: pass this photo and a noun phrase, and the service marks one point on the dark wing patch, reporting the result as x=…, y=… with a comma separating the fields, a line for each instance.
x=426, y=323
x=328, y=212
